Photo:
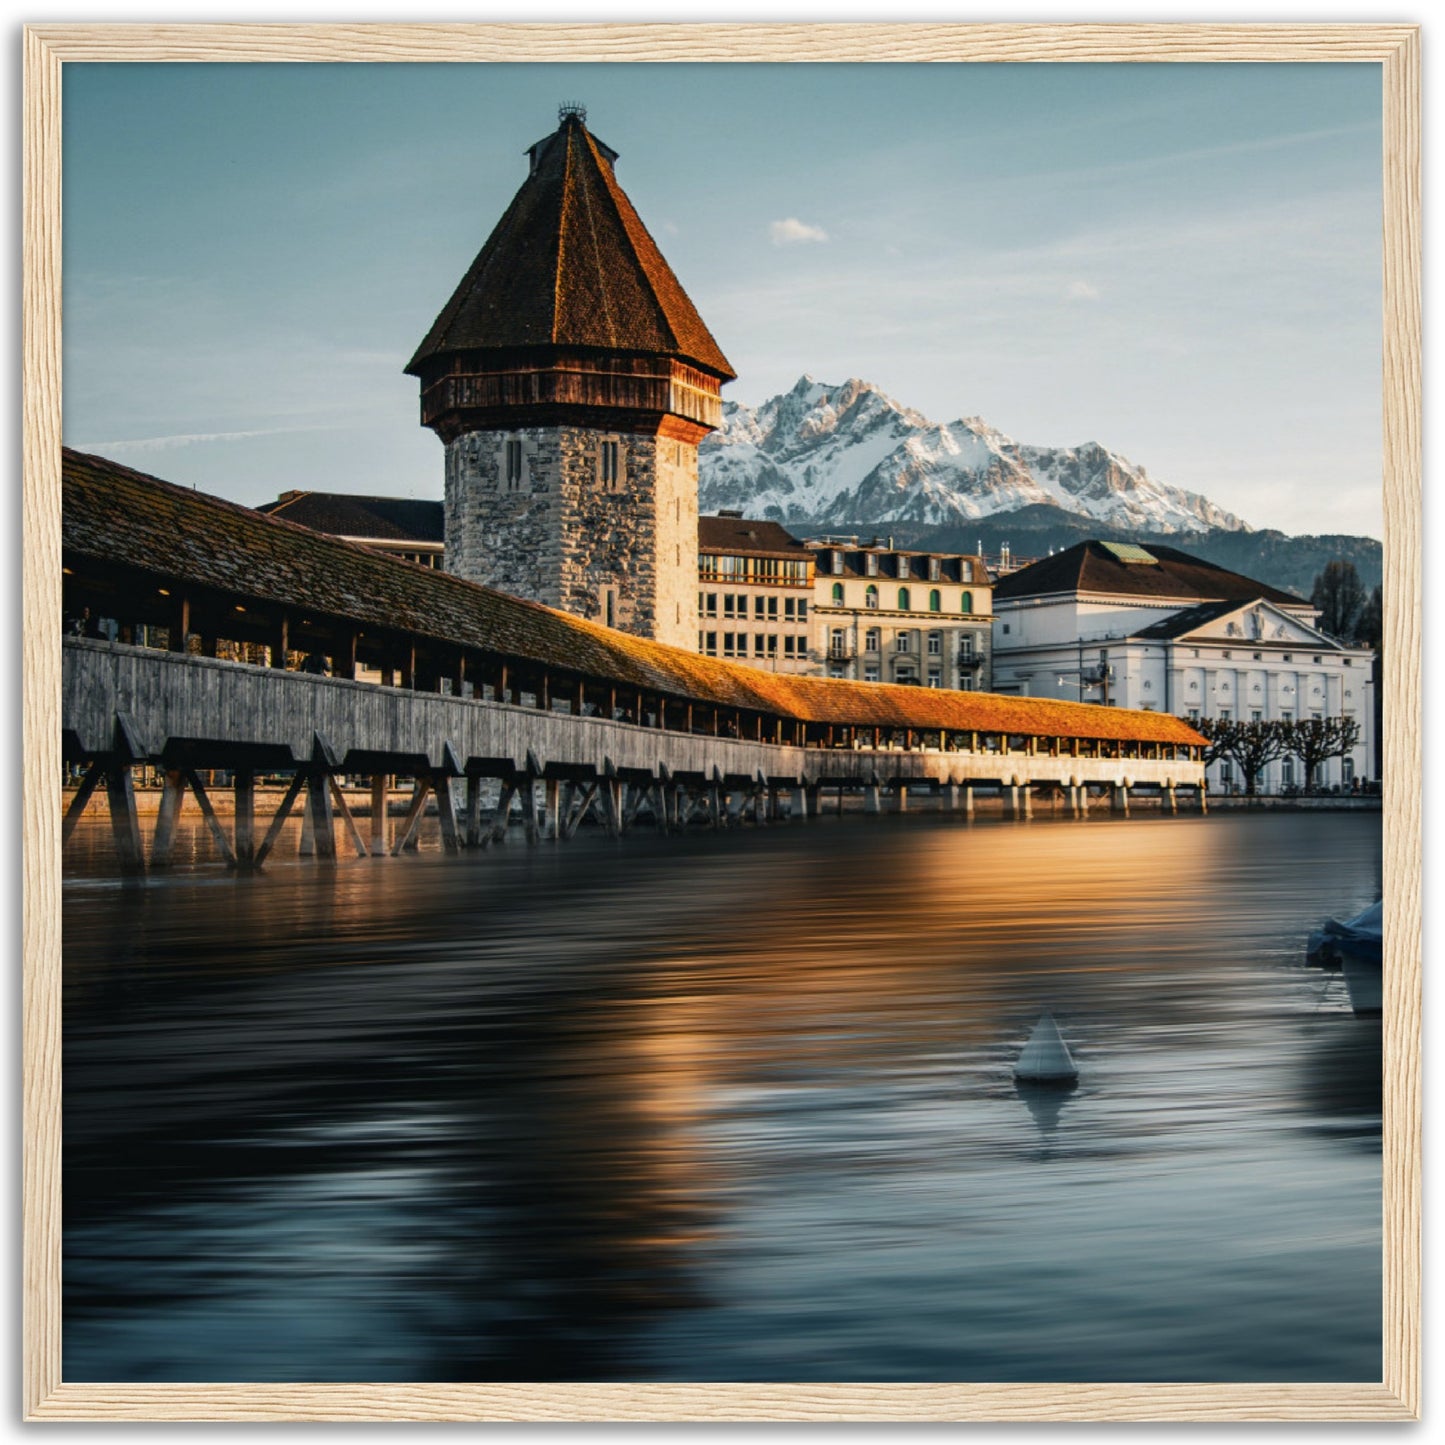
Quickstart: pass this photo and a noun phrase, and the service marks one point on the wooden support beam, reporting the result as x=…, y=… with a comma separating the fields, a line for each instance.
x=280, y=642
x=421, y=789
x=193, y=781
x=474, y=810
x=173, y=792
x=552, y=810
x=343, y=658
x=318, y=810
x=580, y=810
x=497, y=833
x=531, y=828
x=179, y=625
x=446, y=812
x=243, y=789
x=94, y=776
x=124, y=824
x=632, y=800
x=379, y=795
x=339, y=798
x=283, y=812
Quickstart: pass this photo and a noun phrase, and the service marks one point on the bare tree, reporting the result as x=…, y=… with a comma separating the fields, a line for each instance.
x=1339, y=595
x=1250, y=746
x=1316, y=740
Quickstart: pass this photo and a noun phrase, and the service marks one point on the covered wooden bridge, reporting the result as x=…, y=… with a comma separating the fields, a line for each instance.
x=201, y=635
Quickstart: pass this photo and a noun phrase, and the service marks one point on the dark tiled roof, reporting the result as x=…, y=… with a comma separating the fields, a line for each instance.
x=113, y=516
x=741, y=537
x=903, y=566
x=571, y=264
x=400, y=519
x=1091, y=567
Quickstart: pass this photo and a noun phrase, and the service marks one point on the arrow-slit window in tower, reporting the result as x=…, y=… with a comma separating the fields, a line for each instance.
x=514, y=466
x=611, y=466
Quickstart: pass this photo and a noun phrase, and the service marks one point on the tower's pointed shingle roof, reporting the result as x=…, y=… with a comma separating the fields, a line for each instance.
x=570, y=264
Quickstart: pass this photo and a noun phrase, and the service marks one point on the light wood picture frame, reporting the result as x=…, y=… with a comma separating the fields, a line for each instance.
x=49, y=48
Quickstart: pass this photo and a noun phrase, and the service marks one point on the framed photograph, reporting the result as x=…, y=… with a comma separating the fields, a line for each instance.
x=717, y=739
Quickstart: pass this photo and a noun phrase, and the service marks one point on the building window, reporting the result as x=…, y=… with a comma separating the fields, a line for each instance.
x=760, y=644
x=965, y=647
x=1005, y=626
x=1256, y=716
x=935, y=644
x=870, y=597
x=873, y=639
x=608, y=609
x=903, y=567
x=1194, y=714
x=966, y=571
x=787, y=609
x=837, y=594
x=1347, y=770
x=870, y=564
x=967, y=604
x=903, y=642
x=710, y=643
x=935, y=601
x=933, y=569
x=904, y=600
x=1288, y=657
x=935, y=677
x=837, y=564
x=1286, y=772
x=870, y=672
x=610, y=465
x=759, y=607
x=802, y=609
x=514, y=466
x=1224, y=714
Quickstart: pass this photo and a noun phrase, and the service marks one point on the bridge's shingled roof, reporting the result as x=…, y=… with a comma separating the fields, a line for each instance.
x=571, y=264
x=118, y=516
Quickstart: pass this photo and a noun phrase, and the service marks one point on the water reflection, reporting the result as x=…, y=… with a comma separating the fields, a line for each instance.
x=729, y=1107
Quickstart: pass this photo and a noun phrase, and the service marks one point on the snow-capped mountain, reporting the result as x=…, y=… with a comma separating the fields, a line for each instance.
x=849, y=454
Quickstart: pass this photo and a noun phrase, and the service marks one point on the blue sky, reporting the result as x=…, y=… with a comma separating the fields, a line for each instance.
x=1179, y=261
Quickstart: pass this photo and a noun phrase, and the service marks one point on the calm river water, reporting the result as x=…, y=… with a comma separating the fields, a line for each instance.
x=728, y=1107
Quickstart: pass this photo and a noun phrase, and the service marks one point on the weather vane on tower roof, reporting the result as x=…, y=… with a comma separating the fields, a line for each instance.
x=569, y=110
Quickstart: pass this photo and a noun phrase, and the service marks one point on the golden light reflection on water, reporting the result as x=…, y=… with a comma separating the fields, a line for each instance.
x=726, y=1107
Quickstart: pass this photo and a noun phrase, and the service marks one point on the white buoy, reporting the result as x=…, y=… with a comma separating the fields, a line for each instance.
x=1046, y=1059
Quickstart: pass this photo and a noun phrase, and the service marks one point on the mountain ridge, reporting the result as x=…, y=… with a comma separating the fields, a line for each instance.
x=819, y=454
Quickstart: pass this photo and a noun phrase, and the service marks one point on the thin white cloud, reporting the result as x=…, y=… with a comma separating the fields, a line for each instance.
x=186, y=439
x=1082, y=291
x=793, y=232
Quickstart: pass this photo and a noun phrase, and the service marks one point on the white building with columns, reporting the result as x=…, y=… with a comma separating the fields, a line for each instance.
x=1156, y=629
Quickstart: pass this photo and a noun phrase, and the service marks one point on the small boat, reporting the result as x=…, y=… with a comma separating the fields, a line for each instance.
x=1356, y=946
x=1361, y=936
x=1046, y=1058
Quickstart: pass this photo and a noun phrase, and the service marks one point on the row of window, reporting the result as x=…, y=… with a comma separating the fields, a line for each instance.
x=902, y=566
x=753, y=569
x=871, y=673
x=735, y=604
x=764, y=644
x=905, y=599
x=902, y=642
x=1255, y=715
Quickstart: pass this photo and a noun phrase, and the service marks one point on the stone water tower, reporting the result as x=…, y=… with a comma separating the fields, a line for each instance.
x=571, y=379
